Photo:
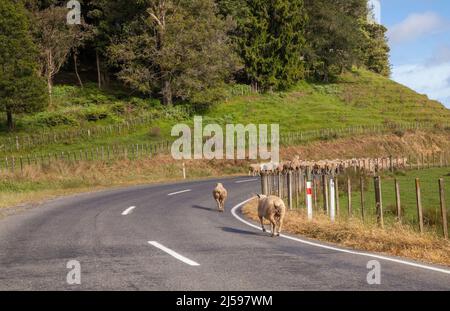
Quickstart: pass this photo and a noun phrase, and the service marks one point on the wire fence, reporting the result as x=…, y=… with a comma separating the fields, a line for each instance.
x=373, y=196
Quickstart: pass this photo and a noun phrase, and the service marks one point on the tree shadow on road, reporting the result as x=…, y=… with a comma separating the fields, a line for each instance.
x=205, y=208
x=239, y=231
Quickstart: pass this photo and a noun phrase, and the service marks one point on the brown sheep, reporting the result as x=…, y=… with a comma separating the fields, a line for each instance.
x=273, y=209
x=220, y=195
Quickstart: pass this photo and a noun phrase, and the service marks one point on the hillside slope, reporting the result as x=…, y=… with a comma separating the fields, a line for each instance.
x=357, y=98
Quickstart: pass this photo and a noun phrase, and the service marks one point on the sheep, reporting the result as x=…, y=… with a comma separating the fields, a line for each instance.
x=220, y=195
x=255, y=169
x=273, y=209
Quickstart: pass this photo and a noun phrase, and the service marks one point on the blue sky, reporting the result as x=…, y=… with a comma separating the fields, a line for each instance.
x=419, y=37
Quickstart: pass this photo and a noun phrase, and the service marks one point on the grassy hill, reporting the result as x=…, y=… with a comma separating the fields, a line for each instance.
x=357, y=98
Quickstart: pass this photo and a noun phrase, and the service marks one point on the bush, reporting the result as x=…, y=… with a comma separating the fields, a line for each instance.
x=95, y=113
x=52, y=119
x=118, y=108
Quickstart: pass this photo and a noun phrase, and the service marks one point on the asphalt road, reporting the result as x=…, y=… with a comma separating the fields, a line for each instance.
x=193, y=247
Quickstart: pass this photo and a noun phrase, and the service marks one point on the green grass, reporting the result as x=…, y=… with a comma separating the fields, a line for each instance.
x=429, y=191
x=357, y=98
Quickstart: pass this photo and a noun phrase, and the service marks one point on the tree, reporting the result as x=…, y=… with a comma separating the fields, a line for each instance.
x=376, y=49
x=334, y=35
x=21, y=89
x=178, y=48
x=55, y=39
x=270, y=38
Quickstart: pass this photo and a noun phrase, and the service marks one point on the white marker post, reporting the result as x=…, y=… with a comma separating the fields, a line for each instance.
x=332, y=200
x=309, y=200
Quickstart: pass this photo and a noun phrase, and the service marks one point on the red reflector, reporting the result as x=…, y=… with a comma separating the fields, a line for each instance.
x=309, y=191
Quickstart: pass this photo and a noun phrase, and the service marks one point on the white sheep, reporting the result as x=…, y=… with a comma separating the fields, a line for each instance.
x=220, y=195
x=273, y=209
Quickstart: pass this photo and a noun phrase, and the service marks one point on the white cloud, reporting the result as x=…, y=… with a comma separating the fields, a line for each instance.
x=432, y=80
x=441, y=55
x=416, y=26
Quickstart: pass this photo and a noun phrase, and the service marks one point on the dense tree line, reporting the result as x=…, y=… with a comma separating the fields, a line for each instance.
x=183, y=49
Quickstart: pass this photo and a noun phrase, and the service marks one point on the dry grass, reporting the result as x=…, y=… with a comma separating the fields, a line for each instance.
x=37, y=183
x=397, y=240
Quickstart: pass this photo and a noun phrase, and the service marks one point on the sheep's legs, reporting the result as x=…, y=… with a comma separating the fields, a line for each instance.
x=280, y=224
x=219, y=205
x=262, y=224
x=273, y=224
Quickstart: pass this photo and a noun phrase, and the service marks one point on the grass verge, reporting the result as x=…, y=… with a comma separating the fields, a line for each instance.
x=396, y=240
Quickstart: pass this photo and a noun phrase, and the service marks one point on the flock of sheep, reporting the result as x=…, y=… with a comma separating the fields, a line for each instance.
x=321, y=167
x=270, y=207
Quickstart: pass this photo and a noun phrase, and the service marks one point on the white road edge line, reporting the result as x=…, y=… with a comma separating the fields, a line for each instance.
x=173, y=253
x=128, y=211
x=179, y=192
x=244, y=181
x=234, y=209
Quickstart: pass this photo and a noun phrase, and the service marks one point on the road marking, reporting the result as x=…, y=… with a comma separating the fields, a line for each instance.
x=404, y=262
x=178, y=192
x=244, y=181
x=128, y=210
x=173, y=253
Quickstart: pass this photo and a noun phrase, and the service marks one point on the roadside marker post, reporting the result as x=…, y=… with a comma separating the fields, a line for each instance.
x=309, y=200
x=332, y=200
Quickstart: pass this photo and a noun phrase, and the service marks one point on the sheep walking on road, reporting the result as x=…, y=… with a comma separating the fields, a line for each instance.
x=220, y=195
x=273, y=209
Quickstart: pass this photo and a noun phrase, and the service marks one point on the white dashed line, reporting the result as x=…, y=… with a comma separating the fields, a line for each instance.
x=244, y=181
x=404, y=262
x=173, y=253
x=179, y=192
x=128, y=210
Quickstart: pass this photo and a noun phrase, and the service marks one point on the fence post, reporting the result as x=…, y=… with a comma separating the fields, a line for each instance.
x=398, y=201
x=280, y=185
x=332, y=200
x=361, y=185
x=326, y=207
x=309, y=200
x=419, y=205
x=349, y=195
x=443, y=208
x=264, y=183
x=184, y=170
x=289, y=181
x=379, y=201
x=338, y=205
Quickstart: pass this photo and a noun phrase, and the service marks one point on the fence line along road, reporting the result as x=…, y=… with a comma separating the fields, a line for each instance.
x=17, y=143
x=292, y=186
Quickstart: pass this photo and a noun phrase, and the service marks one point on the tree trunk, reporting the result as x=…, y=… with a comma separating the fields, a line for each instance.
x=167, y=93
x=49, y=76
x=99, y=74
x=10, y=121
x=75, y=61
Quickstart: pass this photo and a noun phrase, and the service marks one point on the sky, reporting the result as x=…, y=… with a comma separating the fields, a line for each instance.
x=419, y=37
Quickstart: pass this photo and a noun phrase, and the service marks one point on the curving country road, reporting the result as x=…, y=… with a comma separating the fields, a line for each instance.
x=170, y=237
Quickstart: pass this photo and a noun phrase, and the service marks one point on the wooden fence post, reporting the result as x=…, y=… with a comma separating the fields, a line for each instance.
x=443, y=208
x=379, y=201
x=398, y=201
x=289, y=181
x=349, y=195
x=326, y=207
x=361, y=184
x=419, y=205
x=336, y=186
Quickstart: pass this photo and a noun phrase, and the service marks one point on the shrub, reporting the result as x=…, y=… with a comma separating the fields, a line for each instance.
x=52, y=119
x=95, y=113
x=118, y=108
